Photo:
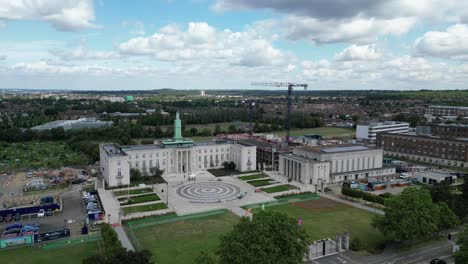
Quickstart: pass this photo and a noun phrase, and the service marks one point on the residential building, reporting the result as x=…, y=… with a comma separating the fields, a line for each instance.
x=370, y=130
x=442, y=110
x=178, y=157
x=449, y=131
x=428, y=149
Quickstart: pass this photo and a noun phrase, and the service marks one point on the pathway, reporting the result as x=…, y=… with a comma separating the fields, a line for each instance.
x=240, y=212
x=123, y=238
x=357, y=205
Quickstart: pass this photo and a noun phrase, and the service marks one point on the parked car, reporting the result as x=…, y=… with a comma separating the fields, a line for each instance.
x=438, y=261
x=1, y=218
x=49, y=212
x=41, y=213
x=17, y=217
x=8, y=218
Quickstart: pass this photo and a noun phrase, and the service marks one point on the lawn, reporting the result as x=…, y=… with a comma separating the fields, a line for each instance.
x=253, y=177
x=36, y=255
x=323, y=131
x=260, y=183
x=38, y=154
x=279, y=188
x=141, y=199
x=324, y=218
x=223, y=172
x=144, y=208
x=133, y=192
x=182, y=241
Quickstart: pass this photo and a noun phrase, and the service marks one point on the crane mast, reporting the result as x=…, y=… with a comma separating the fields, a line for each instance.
x=288, y=112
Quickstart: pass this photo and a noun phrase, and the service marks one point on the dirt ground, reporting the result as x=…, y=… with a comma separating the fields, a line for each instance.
x=320, y=205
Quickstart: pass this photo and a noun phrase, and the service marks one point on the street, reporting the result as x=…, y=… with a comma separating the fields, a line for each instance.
x=441, y=250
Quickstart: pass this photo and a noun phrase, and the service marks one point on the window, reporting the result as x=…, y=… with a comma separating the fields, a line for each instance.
x=119, y=172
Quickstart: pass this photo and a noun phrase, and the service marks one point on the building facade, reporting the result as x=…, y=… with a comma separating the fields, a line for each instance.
x=179, y=157
x=449, y=131
x=428, y=149
x=333, y=164
x=441, y=110
x=370, y=130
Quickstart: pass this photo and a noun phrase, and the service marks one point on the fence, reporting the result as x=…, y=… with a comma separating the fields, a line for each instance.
x=72, y=241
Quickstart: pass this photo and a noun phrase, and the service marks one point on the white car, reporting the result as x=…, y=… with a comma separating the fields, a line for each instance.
x=41, y=213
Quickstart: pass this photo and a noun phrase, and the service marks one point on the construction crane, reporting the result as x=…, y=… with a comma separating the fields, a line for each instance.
x=251, y=106
x=290, y=89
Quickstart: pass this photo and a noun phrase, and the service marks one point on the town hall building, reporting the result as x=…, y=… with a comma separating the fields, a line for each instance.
x=179, y=157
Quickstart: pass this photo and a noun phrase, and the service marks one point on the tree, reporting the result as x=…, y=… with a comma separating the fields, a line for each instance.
x=135, y=174
x=229, y=166
x=232, y=129
x=217, y=130
x=409, y=215
x=157, y=174
x=447, y=219
x=461, y=256
x=205, y=258
x=271, y=237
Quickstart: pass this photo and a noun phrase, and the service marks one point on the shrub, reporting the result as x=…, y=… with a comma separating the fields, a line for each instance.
x=355, y=244
x=363, y=195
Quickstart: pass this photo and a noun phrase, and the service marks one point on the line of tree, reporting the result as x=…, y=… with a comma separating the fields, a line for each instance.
x=356, y=193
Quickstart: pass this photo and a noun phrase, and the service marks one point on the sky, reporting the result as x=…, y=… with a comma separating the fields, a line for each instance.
x=227, y=44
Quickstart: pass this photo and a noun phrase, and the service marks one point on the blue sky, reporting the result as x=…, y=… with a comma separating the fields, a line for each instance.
x=226, y=44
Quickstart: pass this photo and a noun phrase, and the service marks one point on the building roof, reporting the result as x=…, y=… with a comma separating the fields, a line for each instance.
x=328, y=149
x=434, y=174
x=298, y=158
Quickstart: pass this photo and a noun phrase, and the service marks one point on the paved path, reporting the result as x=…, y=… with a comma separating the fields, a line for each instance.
x=357, y=205
x=111, y=206
x=123, y=238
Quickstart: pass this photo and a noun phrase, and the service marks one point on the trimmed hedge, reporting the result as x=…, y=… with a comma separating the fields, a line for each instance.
x=363, y=195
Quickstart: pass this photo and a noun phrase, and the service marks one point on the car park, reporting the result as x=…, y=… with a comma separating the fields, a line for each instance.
x=49, y=212
x=41, y=213
x=17, y=217
x=1, y=218
x=8, y=218
x=438, y=261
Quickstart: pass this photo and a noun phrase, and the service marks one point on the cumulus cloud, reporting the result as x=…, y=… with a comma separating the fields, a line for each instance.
x=356, y=53
x=65, y=15
x=362, y=21
x=450, y=44
x=3, y=57
x=202, y=42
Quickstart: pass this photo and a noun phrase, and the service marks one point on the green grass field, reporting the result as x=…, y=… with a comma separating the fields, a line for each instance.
x=181, y=242
x=133, y=192
x=323, y=131
x=260, y=183
x=141, y=199
x=36, y=255
x=279, y=188
x=144, y=208
x=253, y=177
x=35, y=154
x=327, y=222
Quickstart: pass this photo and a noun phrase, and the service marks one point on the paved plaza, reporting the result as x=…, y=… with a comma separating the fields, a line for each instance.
x=210, y=193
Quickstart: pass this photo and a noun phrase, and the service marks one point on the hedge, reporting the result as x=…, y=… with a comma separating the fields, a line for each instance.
x=363, y=195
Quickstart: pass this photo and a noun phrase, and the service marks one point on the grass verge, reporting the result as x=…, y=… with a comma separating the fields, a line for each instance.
x=144, y=208
x=279, y=188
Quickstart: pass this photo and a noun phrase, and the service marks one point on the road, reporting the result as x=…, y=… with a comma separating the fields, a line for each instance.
x=441, y=250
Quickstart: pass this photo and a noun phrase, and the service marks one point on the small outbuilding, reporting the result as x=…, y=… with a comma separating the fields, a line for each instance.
x=435, y=177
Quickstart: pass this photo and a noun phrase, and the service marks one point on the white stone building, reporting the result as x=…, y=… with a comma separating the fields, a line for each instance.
x=369, y=131
x=323, y=165
x=178, y=157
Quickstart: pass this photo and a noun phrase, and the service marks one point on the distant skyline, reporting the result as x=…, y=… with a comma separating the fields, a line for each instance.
x=227, y=44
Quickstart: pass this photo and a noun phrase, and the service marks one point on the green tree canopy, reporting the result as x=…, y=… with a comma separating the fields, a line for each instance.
x=271, y=237
x=409, y=215
x=461, y=256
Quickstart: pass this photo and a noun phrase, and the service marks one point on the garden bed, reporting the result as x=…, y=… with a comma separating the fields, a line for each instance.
x=261, y=182
x=133, y=192
x=253, y=177
x=139, y=199
x=144, y=208
x=279, y=188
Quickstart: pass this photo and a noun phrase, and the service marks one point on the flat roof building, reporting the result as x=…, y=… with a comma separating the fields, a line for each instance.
x=369, y=131
x=445, y=110
x=333, y=163
x=428, y=149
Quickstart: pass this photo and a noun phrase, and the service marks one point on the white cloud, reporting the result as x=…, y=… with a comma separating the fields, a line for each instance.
x=449, y=44
x=203, y=43
x=82, y=53
x=3, y=57
x=65, y=15
x=356, y=53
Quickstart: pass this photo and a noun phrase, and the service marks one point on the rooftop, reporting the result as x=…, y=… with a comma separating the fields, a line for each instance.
x=336, y=148
x=434, y=174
